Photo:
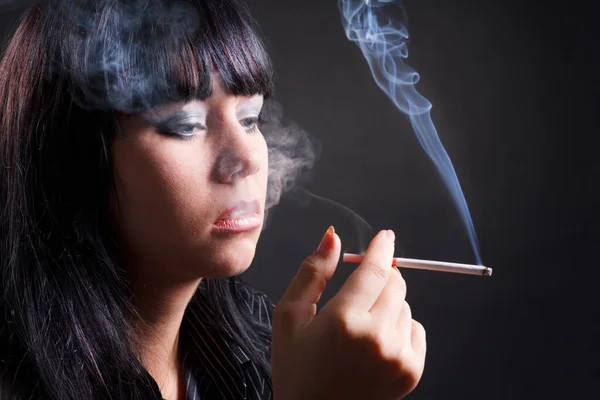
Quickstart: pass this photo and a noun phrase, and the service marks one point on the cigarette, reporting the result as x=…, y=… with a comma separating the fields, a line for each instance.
x=428, y=265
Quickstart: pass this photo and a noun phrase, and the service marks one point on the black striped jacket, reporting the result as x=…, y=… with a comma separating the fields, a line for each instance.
x=215, y=366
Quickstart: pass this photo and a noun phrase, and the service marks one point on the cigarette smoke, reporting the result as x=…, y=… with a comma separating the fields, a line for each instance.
x=291, y=152
x=117, y=40
x=383, y=42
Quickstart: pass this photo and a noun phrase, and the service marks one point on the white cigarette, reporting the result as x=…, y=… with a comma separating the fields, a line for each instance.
x=428, y=265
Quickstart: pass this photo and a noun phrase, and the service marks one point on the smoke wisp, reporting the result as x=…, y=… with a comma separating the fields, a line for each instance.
x=379, y=29
x=292, y=153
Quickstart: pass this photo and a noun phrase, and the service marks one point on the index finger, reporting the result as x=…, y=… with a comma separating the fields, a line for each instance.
x=364, y=285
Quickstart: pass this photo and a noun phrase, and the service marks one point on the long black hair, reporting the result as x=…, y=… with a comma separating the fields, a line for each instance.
x=70, y=68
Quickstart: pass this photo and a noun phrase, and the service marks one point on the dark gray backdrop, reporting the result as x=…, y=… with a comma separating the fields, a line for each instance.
x=514, y=88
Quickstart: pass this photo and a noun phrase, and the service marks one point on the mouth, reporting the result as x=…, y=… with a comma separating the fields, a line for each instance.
x=244, y=216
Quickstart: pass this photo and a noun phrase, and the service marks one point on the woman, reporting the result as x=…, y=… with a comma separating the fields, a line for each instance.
x=132, y=193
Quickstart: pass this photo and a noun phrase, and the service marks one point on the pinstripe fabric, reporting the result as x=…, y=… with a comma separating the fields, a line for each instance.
x=215, y=366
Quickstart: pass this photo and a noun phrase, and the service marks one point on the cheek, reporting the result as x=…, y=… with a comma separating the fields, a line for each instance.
x=160, y=187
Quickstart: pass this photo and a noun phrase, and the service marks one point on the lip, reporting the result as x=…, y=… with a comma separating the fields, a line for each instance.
x=249, y=218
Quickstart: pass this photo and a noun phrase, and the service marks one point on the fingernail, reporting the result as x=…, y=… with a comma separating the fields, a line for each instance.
x=391, y=235
x=326, y=239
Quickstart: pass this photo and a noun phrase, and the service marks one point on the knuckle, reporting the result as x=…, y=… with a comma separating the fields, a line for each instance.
x=407, y=373
x=363, y=336
x=376, y=269
x=374, y=343
x=404, y=372
x=312, y=272
x=407, y=309
x=419, y=330
x=410, y=377
x=400, y=283
x=310, y=266
x=346, y=323
x=372, y=346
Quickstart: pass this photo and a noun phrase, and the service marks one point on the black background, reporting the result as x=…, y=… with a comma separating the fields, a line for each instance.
x=514, y=87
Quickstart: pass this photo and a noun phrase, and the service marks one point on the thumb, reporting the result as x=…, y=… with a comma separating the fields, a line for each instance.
x=306, y=288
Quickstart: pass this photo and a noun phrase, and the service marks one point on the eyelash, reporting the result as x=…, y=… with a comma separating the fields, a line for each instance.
x=253, y=128
x=256, y=122
x=178, y=135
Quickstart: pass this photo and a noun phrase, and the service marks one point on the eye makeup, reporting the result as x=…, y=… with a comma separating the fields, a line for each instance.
x=181, y=125
x=187, y=123
x=250, y=118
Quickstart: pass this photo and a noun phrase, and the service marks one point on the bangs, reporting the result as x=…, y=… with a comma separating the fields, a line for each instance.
x=132, y=56
x=226, y=42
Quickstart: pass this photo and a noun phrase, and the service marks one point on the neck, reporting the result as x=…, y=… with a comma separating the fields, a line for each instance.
x=161, y=302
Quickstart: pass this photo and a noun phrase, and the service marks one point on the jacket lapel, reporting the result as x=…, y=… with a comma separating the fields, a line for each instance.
x=214, y=352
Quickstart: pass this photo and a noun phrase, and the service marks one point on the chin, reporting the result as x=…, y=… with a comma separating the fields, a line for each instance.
x=229, y=259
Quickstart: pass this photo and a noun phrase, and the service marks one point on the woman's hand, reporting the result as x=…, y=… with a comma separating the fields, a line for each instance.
x=363, y=344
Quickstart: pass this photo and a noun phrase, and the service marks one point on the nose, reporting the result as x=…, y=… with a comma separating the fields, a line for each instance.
x=239, y=156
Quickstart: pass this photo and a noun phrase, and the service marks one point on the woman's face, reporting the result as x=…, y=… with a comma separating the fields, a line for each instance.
x=191, y=183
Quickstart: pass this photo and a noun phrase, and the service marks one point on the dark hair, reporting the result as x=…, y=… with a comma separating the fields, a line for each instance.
x=70, y=68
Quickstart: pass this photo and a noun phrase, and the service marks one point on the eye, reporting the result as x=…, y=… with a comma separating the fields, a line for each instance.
x=250, y=124
x=190, y=130
x=182, y=131
x=181, y=125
